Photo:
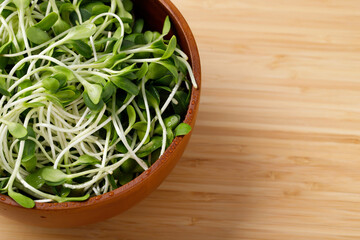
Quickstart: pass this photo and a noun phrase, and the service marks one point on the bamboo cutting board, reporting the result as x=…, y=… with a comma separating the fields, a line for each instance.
x=276, y=151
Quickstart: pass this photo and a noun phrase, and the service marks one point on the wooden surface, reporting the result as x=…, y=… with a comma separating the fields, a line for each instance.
x=276, y=151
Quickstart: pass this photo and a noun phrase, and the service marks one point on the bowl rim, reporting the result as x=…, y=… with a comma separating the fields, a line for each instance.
x=182, y=26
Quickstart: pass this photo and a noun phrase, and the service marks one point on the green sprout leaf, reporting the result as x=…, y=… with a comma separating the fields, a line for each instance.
x=170, y=123
x=34, y=105
x=131, y=115
x=139, y=25
x=16, y=129
x=149, y=36
x=166, y=27
x=182, y=129
x=37, y=35
x=29, y=160
x=86, y=160
x=142, y=126
x=156, y=71
x=125, y=178
x=82, y=48
x=125, y=84
x=108, y=90
x=75, y=199
x=94, y=91
x=142, y=71
x=128, y=166
x=35, y=179
x=23, y=85
x=67, y=95
x=81, y=32
x=24, y=201
x=47, y=22
x=154, y=144
x=169, y=136
x=170, y=49
x=93, y=107
x=4, y=92
x=61, y=26
x=181, y=104
x=169, y=66
x=69, y=75
x=53, y=177
x=153, y=97
x=51, y=84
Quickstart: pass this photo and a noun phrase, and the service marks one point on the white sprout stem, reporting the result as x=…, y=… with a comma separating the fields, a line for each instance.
x=12, y=72
x=148, y=60
x=182, y=54
x=28, y=89
x=102, y=15
x=169, y=99
x=163, y=146
x=104, y=25
x=3, y=5
x=66, y=114
x=93, y=47
x=103, y=75
x=191, y=74
x=171, y=96
x=65, y=130
x=42, y=149
x=36, y=191
x=48, y=8
x=22, y=28
x=17, y=166
x=119, y=130
x=83, y=117
x=59, y=157
x=48, y=115
x=32, y=64
x=39, y=46
x=103, y=174
x=147, y=116
x=4, y=163
x=107, y=140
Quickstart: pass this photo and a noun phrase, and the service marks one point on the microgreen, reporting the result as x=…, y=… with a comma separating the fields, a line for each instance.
x=81, y=32
x=35, y=179
x=51, y=84
x=89, y=97
x=170, y=49
x=82, y=48
x=170, y=123
x=86, y=160
x=166, y=27
x=182, y=129
x=21, y=199
x=47, y=22
x=154, y=144
x=36, y=35
x=125, y=84
x=15, y=129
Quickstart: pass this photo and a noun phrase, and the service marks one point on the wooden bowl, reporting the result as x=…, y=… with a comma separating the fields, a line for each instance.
x=71, y=214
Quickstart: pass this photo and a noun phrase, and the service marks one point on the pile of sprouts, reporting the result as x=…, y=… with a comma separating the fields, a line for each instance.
x=89, y=99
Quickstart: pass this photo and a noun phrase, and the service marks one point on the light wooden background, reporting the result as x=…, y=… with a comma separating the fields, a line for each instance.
x=276, y=150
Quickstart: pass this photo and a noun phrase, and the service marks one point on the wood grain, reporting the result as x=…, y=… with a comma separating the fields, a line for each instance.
x=275, y=154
